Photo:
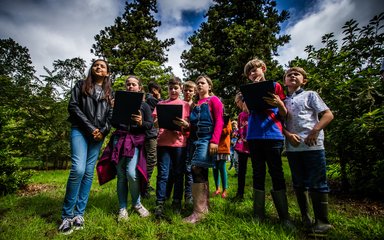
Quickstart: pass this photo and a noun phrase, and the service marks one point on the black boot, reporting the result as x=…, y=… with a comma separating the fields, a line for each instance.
x=281, y=204
x=259, y=204
x=159, y=210
x=303, y=202
x=320, y=208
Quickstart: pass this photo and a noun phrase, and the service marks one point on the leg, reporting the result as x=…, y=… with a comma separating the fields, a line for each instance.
x=163, y=166
x=216, y=178
x=178, y=163
x=224, y=177
x=151, y=156
x=243, y=160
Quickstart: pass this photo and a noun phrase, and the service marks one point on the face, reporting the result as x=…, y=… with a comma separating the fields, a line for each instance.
x=294, y=80
x=203, y=86
x=256, y=74
x=174, y=91
x=132, y=85
x=188, y=92
x=239, y=103
x=100, y=69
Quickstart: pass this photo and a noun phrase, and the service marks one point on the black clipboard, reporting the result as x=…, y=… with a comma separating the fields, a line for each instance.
x=253, y=94
x=168, y=112
x=126, y=104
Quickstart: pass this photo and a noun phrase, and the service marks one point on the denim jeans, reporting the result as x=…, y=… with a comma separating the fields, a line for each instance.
x=167, y=157
x=267, y=152
x=127, y=178
x=308, y=170
x=84, y=153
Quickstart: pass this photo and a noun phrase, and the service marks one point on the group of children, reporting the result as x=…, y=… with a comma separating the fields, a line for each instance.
x=204, y=141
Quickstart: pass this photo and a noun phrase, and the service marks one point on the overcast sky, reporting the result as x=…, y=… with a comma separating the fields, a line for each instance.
x=54, y=29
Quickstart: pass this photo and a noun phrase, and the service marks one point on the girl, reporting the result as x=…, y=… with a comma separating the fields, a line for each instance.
x=241, y=146
x=125, y=152
x=171, y=147
x=222, y=157
x=206, y=125
x=89, y=114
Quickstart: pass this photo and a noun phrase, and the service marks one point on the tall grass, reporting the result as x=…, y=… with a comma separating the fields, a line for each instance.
x=37, y=215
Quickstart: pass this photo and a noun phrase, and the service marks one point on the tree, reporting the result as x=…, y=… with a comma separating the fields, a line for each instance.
x=347, y=77
x=132, y=39
x=235, y=32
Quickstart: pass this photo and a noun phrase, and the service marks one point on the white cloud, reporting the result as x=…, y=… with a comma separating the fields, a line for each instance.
x=325, y=17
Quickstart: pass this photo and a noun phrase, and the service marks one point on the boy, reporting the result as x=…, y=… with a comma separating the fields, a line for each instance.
x=265, y=140
x=305, y=147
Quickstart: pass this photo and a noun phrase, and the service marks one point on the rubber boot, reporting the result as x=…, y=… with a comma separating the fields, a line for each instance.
x=303, y=202
x=281, y=204
x=200, y=194
x=320, y=208
x=259, y=204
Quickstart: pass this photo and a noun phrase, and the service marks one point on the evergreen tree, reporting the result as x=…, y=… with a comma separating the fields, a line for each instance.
x=132, y=39
x=235, y=32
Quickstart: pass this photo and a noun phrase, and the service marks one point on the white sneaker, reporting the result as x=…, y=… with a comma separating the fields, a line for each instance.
x=123, y=215
x=141, y=210
x=66, y=226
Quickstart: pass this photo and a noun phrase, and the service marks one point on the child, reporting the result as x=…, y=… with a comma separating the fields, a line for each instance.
x=87, y=137
x=265, y=140
x=189, y=91
x=234, y=157
x=125, y=151
x=305, y=147
x=206, y=126
x=223, y=155
x=241, y=146
x=171, y=146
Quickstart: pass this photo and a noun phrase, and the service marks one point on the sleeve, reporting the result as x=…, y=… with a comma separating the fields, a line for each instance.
x=75, y=110
x=316, y=102
x=147, y=116
x=279, y=91
x=216, y=108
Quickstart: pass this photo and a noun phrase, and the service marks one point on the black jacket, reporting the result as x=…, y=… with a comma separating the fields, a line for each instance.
x=88, y=113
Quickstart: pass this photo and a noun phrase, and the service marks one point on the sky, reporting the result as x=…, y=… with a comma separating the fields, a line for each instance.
x=54, y=29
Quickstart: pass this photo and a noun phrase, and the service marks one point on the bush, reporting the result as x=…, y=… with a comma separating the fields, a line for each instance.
x=11, y=175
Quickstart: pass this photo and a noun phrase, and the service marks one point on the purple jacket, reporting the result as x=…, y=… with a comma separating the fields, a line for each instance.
x=125, y=147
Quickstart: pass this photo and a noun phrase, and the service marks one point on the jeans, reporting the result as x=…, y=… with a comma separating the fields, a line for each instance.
x=167, y=157
x=267, y=152
x=127, y=178
x=308, y=170
x=84, y=153
x=220, y=167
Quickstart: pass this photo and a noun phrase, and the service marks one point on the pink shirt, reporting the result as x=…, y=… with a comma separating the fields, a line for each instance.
x=170, y=138
x=216, y=109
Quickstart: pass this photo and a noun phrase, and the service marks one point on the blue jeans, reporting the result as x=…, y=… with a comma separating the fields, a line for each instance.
x=308, y=170
x=84, y=153
x=167, y=157
x=127, y=178
x=267, y=152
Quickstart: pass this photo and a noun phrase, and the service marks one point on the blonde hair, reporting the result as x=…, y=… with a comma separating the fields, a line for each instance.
x=190, y=84
x=209, y=81
x=296, y=69
x=252, y=64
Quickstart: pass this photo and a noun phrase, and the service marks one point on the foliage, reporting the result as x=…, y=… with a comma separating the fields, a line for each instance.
x=132, y=39
x=234, y=33
x=347, y=78
x=11, y=175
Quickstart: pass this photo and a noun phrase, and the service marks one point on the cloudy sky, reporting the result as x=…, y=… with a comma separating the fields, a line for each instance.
x=54, y=29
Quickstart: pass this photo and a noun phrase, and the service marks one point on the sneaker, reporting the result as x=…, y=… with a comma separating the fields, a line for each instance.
x=176, y=206
x=224, y=194
x=123, y=215
x=66, y=227
x=237, y=198
x=78, y=222
x=217, y=192
x=159, y=210
x=141, y=210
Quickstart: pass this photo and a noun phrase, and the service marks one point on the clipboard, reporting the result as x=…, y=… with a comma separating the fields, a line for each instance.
x=253, y=94
x=168, y=112
x=126, y=104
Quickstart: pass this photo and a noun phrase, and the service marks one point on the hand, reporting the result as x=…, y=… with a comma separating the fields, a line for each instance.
x=98, y=137
x=294, y=139
x=213, y=149
x=181, y=122
x=311, y=139
x=137, y=118
x=274, y=100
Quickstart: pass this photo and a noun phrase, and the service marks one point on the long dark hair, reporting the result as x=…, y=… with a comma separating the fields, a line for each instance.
x=89, y=82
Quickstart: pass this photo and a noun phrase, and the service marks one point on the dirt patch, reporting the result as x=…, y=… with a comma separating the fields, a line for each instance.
x=34, y=189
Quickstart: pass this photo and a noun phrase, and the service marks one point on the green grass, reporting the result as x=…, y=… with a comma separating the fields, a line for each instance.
x=37, y=215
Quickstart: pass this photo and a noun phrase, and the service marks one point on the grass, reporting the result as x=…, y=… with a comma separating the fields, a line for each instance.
x=35, y=214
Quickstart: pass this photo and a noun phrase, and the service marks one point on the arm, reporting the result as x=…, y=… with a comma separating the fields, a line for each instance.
x=327, y=117
x=217, y=114
x=292, y=138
